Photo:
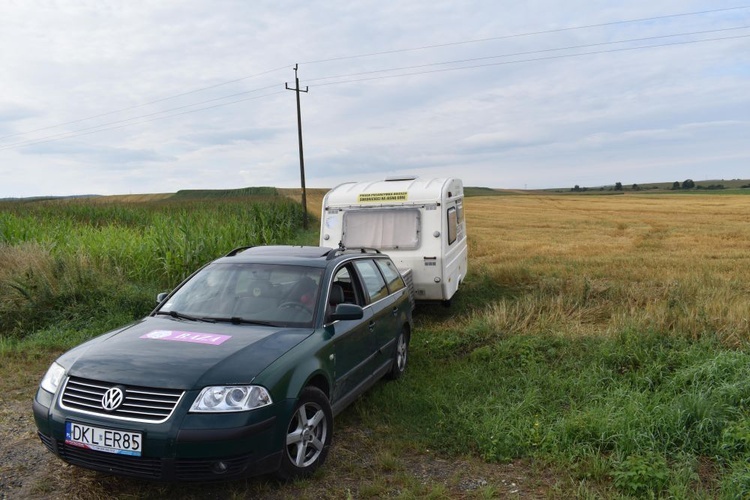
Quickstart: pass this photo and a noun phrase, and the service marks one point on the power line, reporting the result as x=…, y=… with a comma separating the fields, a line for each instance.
x=71, y=135
x=82, y=132
x=143, y=116
x=562, y=56
x=540, y=51
x=167, y=98
x=531, y=33
x=357, y=56
x=116, y=122
x=104, y=127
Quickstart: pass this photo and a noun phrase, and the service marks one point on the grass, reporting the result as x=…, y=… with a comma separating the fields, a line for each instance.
x=599, y=347
x=65, y=259
x=592, y=406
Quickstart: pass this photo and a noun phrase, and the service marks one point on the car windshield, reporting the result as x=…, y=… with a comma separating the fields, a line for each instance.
x=272, y=294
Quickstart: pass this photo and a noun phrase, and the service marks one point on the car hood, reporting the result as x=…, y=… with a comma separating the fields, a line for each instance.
x=163, y=352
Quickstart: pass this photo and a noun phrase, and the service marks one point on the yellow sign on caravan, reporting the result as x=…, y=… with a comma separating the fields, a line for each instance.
x=418, y=222
x=380, y=197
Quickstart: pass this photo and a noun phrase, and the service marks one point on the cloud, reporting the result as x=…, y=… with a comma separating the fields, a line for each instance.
x=108, y=157
x=225, y=137
x=539, y=118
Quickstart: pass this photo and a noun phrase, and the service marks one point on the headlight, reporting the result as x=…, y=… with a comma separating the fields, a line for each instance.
x=231, y=398
x=52, y=378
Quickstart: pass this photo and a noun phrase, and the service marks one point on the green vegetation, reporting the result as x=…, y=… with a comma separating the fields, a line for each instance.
x=482, y=191
x=625, y=378
x=64, y=260
x=201, y=194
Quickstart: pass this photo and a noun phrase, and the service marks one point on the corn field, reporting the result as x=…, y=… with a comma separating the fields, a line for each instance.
x=54, y=254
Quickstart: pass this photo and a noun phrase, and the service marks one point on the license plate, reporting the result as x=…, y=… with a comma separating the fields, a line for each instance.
x=106, y=440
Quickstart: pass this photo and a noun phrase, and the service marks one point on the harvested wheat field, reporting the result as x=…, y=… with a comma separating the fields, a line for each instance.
x=670, y=263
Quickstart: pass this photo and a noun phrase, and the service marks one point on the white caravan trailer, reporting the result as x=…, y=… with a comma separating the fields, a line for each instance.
x=418, y=222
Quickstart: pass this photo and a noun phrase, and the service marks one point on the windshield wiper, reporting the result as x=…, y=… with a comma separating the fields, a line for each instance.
x=179, y=315
x=236, y=320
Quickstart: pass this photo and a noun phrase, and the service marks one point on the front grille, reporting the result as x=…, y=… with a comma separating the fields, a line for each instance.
x=147, y=468
x=141, y=404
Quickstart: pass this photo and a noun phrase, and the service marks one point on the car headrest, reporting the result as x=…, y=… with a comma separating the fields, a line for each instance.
x=337, y=295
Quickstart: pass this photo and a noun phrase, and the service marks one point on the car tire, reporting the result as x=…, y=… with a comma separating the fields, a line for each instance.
x=308, y=435
x=400, y=356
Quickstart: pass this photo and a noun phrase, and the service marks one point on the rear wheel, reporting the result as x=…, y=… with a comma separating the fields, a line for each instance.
x=308, y=435
x=400, y=356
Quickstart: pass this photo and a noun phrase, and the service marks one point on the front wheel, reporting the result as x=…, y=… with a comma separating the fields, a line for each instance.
x=400, y=356
x=308, y=435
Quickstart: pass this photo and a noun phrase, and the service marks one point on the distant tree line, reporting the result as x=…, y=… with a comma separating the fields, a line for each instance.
x=676, y=186
x=689, y=184
x=617, y=187
x=686, y=184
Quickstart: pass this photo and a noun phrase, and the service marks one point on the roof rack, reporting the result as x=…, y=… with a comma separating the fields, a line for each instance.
x=335, y=252
x=237, y=250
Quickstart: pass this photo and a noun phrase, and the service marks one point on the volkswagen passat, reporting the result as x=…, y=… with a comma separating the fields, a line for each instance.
x=238, y=371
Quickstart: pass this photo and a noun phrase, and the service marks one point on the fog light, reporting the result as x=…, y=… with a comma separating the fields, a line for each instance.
x=219, y=467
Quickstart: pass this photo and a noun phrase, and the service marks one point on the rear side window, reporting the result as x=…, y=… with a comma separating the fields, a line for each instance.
x=392, y=276
x=375, y=286
x=452, y=225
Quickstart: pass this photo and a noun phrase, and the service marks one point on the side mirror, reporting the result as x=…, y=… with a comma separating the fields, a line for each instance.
x=160, y=297
x=347, y=312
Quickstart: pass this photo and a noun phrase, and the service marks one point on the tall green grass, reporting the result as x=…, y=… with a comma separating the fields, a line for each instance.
x=59, y=257
x=160, y=242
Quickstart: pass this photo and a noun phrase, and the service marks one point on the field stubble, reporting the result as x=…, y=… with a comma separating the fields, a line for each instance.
x=601, y=265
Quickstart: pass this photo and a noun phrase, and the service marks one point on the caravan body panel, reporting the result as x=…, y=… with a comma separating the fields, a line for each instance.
x=418, y=222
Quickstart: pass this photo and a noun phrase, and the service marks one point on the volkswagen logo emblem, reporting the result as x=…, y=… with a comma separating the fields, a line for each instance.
x=113, y=398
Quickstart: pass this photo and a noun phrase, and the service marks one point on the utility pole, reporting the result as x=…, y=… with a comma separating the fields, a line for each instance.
x=301, y=154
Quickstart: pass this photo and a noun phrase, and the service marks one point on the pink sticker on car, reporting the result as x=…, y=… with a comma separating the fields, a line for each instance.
x=195, y=338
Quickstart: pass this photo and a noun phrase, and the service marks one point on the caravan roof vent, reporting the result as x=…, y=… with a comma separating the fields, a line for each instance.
x=401, y=178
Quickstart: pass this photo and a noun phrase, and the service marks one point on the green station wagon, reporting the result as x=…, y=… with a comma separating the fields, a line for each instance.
x=238, y=371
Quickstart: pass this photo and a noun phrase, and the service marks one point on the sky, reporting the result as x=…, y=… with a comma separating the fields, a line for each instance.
x=128, y=97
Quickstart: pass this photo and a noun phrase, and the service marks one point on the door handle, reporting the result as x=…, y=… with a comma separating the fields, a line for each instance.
x=395, y=311
x=371, y=326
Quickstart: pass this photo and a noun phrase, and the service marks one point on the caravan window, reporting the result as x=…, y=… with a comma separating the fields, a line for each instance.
x=382, y=229
x=452, y=225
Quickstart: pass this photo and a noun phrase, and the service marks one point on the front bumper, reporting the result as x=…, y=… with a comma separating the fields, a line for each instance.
x=189, y=448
